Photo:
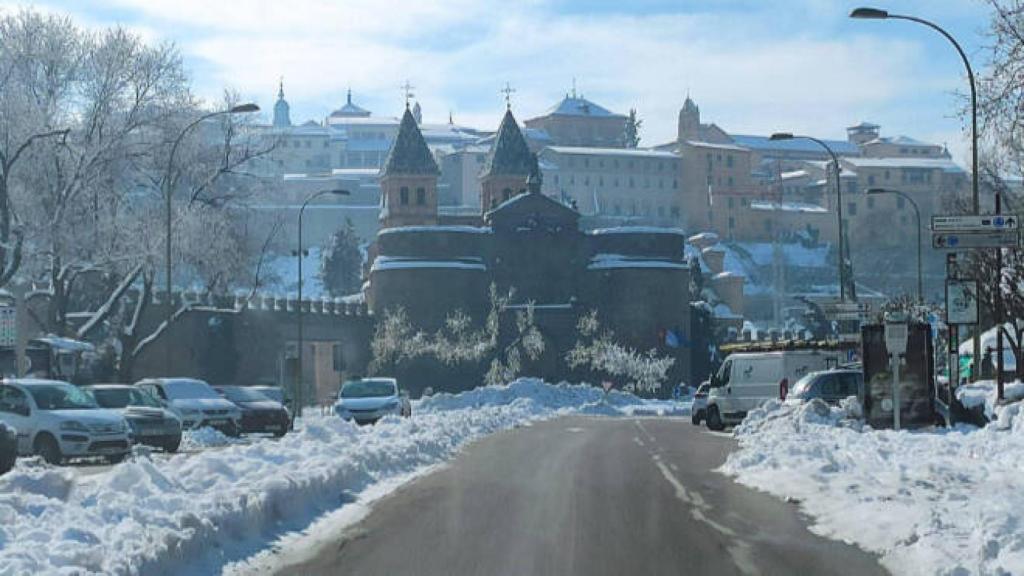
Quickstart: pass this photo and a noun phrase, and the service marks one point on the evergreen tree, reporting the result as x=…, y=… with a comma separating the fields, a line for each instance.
x=632, y=133
x=341, y=262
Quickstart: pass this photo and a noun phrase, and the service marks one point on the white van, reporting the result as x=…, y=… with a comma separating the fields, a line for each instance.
x=748, y=379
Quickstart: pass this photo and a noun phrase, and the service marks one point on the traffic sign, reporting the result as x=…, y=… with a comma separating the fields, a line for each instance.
x=961, y=302
x=8, y=326
x=965, y=240
x=975, y=223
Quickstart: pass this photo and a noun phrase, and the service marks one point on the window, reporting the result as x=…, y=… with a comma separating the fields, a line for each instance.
x=830, y=386
x=675, y=212
x=13, y=401
x=403, y=196
x=586, y=162
x=732, y=202
x=903, y=220
x=728, y=160
x=768, y=226
x=851, y=208
x=661, y=211
x=586, y=180
x=732, y=222
x=871, y=180
x=600, y=180
x=743, y=201
x=308, y=143
x=849, y=384
x=886, y=174
x=730, y=180
x=572, y=180
x=630, y=181
x=871, y=203
x=556, y=178
x=421, y=196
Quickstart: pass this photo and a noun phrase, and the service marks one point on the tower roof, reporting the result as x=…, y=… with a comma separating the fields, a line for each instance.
x=509, y=155
x=409, y=154
x=350, y=109
x=282, y=117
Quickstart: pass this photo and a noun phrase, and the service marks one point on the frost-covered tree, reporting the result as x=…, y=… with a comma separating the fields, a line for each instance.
x=459, y=341
x=598, y=351
x=631, y=135
x=341, y=262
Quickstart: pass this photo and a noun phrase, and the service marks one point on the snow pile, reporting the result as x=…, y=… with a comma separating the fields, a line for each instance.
x=936, y=502
x=205, y=437
x=984, y=392
x=192, y=513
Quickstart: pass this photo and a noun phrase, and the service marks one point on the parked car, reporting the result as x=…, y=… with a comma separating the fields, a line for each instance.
x=196, y=403
x=259, y=413
x=748, y=379
x=367, y=400
x=59, y=421
x=832, y=386
x=700, y=403
x=8, y=448
x=151, y=424
x=275, y=393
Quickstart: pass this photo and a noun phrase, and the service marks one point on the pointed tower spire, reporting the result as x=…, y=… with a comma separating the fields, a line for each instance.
x=280, y=88
x=507, y=166
x=408, y=180
x=282, y=111
x=409, y=154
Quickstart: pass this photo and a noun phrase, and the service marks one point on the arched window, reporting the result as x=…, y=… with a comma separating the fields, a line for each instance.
x=403, y=195
x=421, y=196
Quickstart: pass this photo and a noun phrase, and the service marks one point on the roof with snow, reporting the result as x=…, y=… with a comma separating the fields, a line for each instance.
x=573, y=105
x=409, y=154
x=944, y=164
x=800, y=145
x=900, y=140
x=630, y=152
x=509, y=155
x=788, y=207
x=716, y=145
x=619, y=261
x=864, y=126
x=398, y=263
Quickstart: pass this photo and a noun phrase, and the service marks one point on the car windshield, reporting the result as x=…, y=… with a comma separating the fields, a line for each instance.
x=61, y=397
x=241, y=394
x=122, y=397
x=272, y=392
x=188, y=389
x=368, y=389
x=803, y=385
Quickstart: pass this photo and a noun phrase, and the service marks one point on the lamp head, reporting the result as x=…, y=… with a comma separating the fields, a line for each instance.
x=869, y=14
x=781, y=136
x=249, y=107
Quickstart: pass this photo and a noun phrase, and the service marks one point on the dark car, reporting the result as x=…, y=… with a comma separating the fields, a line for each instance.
x=830, y=385
x=151, y=424
x=8, y=447
x=259, y=413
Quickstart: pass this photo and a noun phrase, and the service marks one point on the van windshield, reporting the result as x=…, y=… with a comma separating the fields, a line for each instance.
x=722, y=377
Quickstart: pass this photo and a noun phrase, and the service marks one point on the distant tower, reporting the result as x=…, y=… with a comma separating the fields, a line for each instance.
x=508, y=165
x=417, y=113
x=282, y=117
x=689, y=121
x=409, y=179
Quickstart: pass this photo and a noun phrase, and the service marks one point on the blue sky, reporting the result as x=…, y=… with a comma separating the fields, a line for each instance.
x=752, y=66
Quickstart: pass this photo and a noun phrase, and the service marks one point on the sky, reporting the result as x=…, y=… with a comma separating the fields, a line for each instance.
x=753, y=66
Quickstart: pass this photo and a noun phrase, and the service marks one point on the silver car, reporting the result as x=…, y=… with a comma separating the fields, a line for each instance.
x=151, y=424
x=369, y=399
x=698, y=410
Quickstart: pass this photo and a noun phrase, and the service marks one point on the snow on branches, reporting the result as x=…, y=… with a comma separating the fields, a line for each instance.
x=597, y=350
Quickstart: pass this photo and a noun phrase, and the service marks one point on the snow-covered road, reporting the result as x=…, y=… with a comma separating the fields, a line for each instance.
x=931, y=502
x=193, y=513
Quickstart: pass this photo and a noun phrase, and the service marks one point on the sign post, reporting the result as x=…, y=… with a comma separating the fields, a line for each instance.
x=896, y=345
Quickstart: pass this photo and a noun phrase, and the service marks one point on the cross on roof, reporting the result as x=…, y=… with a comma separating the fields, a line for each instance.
x=507, y=91
x=407, y=92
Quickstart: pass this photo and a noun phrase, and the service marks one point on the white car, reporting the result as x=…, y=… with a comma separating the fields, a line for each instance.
x=196, y=403
x=370, y=399
x=59, y=421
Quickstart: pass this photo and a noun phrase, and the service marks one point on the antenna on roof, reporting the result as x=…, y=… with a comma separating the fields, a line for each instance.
x=450, y=121
x=574, y=87
x=407, y=92
x=507, y=91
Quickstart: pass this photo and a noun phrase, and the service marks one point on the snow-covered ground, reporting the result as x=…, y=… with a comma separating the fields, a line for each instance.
x=194, y=513
x=929, y=502
x=984, y=393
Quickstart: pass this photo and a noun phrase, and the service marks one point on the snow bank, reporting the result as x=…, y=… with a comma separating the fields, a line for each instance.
x=936, y=502
x=983, y=393
x=192, y=513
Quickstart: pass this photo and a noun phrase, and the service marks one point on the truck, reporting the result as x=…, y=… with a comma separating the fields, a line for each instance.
x=748, y=379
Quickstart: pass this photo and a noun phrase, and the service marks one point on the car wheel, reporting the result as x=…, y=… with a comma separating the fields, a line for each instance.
x=115, y=458
x=279, y=433
x=7, y=462
x=171, y=446
x=47, y=447
x=697, y=417
x=715, y=419
x=232, y=430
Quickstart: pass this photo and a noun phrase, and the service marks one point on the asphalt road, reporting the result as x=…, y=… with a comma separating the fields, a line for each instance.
x=585, y=496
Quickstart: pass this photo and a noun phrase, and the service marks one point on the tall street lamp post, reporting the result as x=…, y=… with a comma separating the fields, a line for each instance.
x=839, y=205
x=298, y=309
x=878, y=14
x=917, y=213
x=168, y=189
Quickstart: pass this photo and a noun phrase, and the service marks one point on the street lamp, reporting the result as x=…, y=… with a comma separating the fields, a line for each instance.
x=168, y=188
x=298, y=308
x=917, y=213
x=876, y=14
x=839, y=203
